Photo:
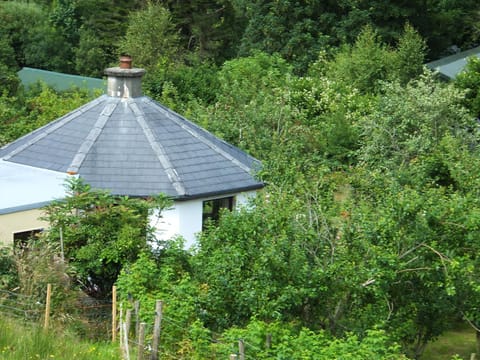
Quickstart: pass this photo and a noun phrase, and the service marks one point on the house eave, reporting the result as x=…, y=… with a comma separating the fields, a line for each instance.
x=204, y=195
x=26, y=207
x=219, y=193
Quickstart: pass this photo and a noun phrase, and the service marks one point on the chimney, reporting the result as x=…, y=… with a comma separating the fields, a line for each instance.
x=124, y=81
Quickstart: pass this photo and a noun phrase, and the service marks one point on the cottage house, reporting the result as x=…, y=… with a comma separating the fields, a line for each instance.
x=128, y=144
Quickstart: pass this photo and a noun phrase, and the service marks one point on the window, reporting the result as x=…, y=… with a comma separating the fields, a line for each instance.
x=212, y=208
x=22, y=239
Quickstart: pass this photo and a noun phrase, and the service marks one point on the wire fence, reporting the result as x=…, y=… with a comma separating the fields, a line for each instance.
x=92, y=318
x=20, y=306
x=149, y=342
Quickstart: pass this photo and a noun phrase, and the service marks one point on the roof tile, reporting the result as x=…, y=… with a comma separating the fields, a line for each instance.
x=136, y=147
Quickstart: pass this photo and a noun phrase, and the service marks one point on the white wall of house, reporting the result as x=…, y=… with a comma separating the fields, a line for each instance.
x=242, y=199
x=23, y=190
x=185, y=218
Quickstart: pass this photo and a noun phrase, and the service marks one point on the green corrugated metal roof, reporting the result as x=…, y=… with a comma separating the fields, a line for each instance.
x=452, y=65
x=59, y=81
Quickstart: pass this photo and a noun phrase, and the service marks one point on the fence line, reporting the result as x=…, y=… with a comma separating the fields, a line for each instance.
x=19, y=306
x=31, y=310
x=141, y=330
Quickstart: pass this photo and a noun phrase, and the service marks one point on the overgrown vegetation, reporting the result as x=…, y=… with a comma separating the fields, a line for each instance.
x=366, y=239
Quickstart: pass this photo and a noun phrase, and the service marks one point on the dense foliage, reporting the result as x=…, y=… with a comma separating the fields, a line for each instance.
x=365, y=240
x=84, y=36
x=100, y=233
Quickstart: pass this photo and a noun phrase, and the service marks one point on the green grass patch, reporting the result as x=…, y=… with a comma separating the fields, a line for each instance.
x=459, y=341
x=21, y=342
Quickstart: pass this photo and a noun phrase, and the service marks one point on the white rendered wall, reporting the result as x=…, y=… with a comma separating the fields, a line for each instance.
x=243, y=198
x=185, y=218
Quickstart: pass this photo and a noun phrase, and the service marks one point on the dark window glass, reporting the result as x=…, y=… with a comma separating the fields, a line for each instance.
x=212, y=208
x=21, y=240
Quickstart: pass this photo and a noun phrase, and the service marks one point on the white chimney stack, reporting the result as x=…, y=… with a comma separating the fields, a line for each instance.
x=124, y=81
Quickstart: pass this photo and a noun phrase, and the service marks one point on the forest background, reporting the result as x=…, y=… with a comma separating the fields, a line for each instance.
x=365, y=241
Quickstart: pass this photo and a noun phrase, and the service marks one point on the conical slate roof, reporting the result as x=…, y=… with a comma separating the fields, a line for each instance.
x=132, y=145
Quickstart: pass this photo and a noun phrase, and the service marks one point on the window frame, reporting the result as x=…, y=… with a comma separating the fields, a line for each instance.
x=217, y=205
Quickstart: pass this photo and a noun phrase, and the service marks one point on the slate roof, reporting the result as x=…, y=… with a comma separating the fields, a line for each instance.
x=136, y=147
x=449, y=67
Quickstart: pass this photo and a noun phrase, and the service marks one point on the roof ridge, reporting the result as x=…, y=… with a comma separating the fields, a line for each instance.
x=207, y=142
x=91, y=138
x=49, y=128
x=158, y=150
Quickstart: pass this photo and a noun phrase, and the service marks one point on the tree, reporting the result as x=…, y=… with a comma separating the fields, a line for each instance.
x=101, y=233
x=208, y=29
x=469, y=80
x=92, y=30
x=364, y=64
x=299, y=29
x=166, y=274
x=411, y=121
x=150, y=36
x=295, y=30
x=410, y=55
x=8, y=67
x=48, y=49
x=8, y=273
x=292, y=343
x=18, y=23
x=90, y=55
x=65, y=17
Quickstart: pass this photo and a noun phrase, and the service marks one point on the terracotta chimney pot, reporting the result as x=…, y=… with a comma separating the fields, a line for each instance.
x=125, y=62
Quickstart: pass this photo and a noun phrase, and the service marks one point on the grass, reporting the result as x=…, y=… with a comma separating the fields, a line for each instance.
x=460, y=341
x=19, y=342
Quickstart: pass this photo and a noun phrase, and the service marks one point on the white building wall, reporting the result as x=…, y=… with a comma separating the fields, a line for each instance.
x=242, y=199
x=190, y=220
x=185, y=218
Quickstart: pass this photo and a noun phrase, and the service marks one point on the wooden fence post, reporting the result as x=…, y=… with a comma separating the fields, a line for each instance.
x=241, y=349
x=62, y=252
x=136, y=308
x=141, y=341
x=477, y=336
x=157, y=328
x=128, y=321
x=268, y=341
x=47, y=306
x=120, y=317
x=233, y=357
x=126, y=348
x=114, y=313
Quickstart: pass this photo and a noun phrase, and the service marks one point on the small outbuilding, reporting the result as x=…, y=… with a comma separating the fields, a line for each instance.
x=450, y=66
x=58, y=81
x=130, y=145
